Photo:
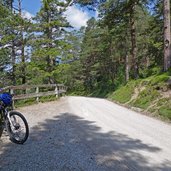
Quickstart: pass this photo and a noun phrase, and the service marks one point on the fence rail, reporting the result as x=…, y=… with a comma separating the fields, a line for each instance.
x=35, y=91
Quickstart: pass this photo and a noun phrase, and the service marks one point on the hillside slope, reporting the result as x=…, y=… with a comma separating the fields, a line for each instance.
x=151, y=95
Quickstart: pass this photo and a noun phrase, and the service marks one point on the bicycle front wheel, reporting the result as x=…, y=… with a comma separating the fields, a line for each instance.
x=17, y=127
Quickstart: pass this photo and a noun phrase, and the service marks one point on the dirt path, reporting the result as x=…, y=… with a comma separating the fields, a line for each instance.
x=88, y=134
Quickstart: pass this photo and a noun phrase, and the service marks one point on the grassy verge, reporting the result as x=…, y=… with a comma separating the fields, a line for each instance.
x=164, y=108
x=124, y=93
x=146, y=97
x=31, y=101
x=147, y=94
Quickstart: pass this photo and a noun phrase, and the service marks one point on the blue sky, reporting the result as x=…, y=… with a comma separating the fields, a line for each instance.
x=32, y=6
x=74, y=14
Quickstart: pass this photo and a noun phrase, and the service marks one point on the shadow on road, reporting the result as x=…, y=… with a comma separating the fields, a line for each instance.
x=70, y=143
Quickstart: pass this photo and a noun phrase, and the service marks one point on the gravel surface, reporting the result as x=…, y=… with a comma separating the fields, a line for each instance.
x=88, y=134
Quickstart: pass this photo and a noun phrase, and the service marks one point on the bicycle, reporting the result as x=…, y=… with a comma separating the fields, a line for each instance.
x=14, y=122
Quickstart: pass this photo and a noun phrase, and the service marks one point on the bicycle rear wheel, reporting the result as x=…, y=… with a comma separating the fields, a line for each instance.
x=17, y=127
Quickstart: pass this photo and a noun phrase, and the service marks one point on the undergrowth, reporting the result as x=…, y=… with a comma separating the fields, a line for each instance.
x=124, y=93
x=146, y=97
x=149, y=98
x=164, y=108
x=31, y=101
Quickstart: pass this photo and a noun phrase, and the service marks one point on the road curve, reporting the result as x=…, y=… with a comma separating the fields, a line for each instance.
x=88, y=134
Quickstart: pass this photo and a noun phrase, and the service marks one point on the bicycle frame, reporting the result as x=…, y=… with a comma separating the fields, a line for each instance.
x=3, y=118
x=5, y=113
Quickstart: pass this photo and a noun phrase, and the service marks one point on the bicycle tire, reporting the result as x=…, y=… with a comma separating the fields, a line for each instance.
x=11, y=129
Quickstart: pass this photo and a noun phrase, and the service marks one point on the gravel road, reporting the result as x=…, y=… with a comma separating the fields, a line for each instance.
x=88, y=134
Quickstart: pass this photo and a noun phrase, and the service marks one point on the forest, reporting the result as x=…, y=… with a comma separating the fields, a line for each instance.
x=122, y=54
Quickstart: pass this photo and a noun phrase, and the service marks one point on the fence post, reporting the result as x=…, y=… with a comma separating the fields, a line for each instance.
x=64, y=90
x=12, y=93
x=27, y=90
x=37, y=92
x=58, y=87
x=56, y=91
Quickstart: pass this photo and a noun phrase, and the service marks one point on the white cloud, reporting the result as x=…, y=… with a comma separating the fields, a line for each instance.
x=27, y=15
x=76, y=17
x=96, y=14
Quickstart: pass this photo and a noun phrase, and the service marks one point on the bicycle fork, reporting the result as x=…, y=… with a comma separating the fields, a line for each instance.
x=13, y=122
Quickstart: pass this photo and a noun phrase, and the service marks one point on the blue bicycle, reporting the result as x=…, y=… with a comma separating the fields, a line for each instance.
x=14, y=122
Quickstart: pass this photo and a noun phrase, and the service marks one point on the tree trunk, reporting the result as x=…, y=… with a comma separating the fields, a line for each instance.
x=13, y=57
x=133, y=40
x=127, y=68
x=23, y=70
x=50, y=61
x=13, y=64
x=167, y=45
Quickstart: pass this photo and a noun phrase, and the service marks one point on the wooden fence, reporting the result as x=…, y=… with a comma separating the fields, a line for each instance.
x=35, y=91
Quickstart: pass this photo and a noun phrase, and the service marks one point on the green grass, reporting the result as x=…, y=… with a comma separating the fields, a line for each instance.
x=150, y=96
x=31, y=101
x=124, y=93
x=164, y=106
x=47, y=98
x=165, y=112
x=159, y=79
x=146, y=97
x=102, y=93
x=25, y=102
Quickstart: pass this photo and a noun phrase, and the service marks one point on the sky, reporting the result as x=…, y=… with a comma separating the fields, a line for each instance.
x=74, y=14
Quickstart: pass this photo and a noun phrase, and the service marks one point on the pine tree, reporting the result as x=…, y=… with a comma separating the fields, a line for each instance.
x=49, y=39
x=5, y=39
x=14, y=35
